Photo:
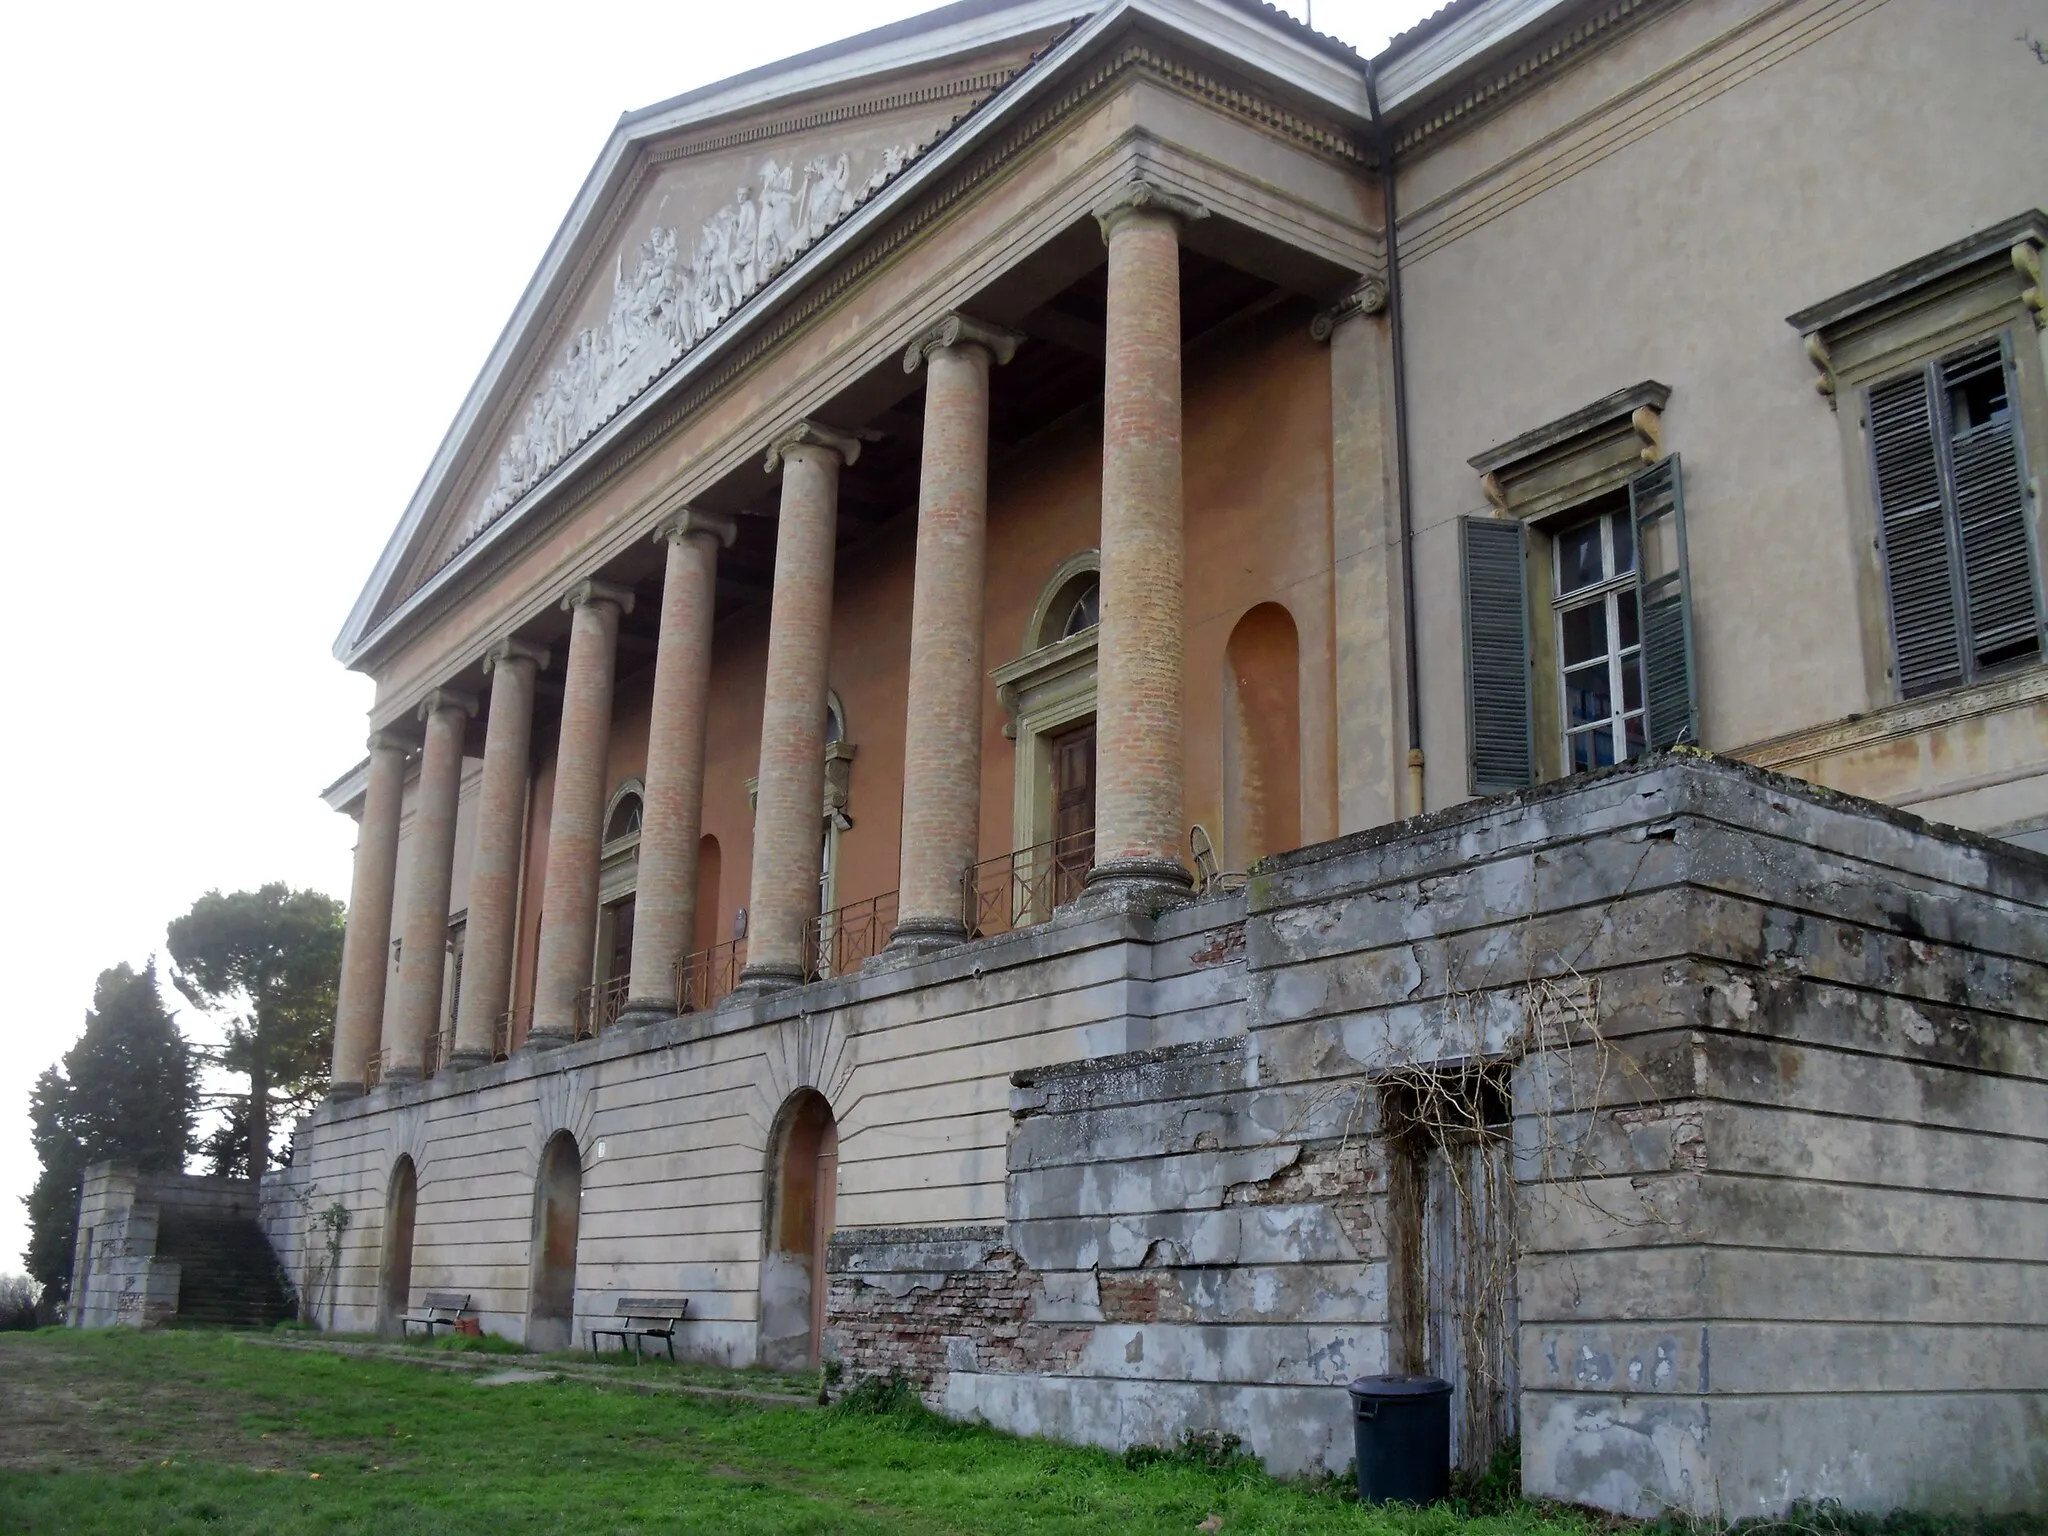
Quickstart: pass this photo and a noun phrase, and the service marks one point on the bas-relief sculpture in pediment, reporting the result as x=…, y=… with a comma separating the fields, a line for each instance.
x=671, y=285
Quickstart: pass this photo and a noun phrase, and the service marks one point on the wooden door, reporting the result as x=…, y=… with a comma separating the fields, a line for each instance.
x=1073, y=809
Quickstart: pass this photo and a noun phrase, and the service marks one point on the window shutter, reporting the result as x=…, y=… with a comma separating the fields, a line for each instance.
x=1671, y=706
x=1919, y=567
x=1497, y=714
x=1999, y=587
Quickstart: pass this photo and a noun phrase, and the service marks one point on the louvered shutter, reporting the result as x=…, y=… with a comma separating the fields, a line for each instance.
x=1497, y=714
x=1656, y=505
x=1919, y=565
x=1999, y=584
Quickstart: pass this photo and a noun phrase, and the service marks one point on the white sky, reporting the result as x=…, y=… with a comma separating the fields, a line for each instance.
x=255, y=256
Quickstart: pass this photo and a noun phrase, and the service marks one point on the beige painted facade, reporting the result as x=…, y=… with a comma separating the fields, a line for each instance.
x=1606, y=214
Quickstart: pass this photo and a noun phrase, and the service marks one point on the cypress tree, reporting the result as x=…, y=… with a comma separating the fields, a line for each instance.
x=127, y=1090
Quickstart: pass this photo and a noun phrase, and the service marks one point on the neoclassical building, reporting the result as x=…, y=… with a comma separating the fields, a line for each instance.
x=1007, y=692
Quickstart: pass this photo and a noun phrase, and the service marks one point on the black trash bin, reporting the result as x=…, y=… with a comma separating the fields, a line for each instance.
x=1401, y=1426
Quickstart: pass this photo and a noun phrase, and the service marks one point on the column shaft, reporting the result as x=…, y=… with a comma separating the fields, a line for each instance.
x=494, y=867
x=366, y=947
x=665, y=897
x=423, y=952
x=942, y=736
x=568, y=933
x=1141, y=659
x=790, y=792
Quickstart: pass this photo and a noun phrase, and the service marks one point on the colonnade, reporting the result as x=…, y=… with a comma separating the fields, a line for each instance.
x=1139, y=685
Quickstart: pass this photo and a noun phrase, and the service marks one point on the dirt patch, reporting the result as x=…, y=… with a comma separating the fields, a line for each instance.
x=65, y=1414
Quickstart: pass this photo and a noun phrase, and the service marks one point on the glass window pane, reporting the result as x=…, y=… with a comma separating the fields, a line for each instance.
x=1588, y=695
x=1581, y=747
x=1578, y=557
x=1637, y=740
x=1624, y=543
x=1632, y=683
x=1628, y=621
x=1583, y=633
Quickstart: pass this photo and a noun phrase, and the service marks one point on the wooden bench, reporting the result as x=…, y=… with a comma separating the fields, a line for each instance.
x=641, y=1318
x=438, y=1309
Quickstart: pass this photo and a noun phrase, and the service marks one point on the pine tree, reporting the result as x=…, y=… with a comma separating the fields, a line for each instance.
x=266, y=963
x=127, y=1091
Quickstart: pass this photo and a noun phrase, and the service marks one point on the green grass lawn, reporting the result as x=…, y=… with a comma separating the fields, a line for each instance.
x=204, y=1432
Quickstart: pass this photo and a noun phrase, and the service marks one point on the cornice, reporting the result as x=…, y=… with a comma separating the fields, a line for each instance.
x=1513, y=75
x=1908, y=718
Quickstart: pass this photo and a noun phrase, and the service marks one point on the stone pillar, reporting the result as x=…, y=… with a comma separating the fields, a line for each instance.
x=568, y=903
x=789, y=807
x=665, y=899
x=494, y=868
x=1138, y=726
x=366, y=947
x=942, y=736
x=423, y=951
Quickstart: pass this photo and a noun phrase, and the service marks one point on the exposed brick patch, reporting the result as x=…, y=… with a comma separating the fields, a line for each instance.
x=1348, y=1176
x=875, y=1331
x=1225, y=946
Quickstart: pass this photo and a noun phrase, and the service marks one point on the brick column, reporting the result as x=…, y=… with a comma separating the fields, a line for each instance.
x=665, y=897
x=789, y=806
x=568, y=902
x=494, y=867
x=366, y=947
x=423, y=951
x=1139, y=691
x=942, y=736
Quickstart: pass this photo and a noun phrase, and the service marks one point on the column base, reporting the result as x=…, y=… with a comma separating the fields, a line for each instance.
x=916, y=937
x=547, y=1040
x=760, y=980
x=341, y=1093
x=466, y=1059
x=645, y=1010
x=394, y=1076
x=1164, y=874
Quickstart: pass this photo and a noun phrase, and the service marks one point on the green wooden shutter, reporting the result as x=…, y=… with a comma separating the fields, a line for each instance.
x=1500, y=746
x=1999, y=581
x=1671, y=707
x=1919, y=564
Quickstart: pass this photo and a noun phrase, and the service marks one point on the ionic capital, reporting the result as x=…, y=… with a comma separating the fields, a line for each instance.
x=693, y=523
x=593, y=591
x=390, y=741
x=1367, y=296
x=958, y=330
x=512, y=648
x=809, y=434
x=1146, y=197
x=447, y=698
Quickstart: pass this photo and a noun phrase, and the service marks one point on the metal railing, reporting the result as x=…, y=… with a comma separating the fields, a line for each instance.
x=501, y=1033
x=373, y=1069
x=841, y=939
x=708, y=975
x=599, y=1005
x=1022, y=889
x=439, y=1047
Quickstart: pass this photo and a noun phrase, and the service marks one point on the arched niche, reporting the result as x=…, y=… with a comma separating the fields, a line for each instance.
x=710, y=871
x=557, y=1210
x=803, y=1179
x=1261, y=737
x=394, y=1263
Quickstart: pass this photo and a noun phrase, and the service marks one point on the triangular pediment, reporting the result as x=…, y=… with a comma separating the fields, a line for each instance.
x=703, y=210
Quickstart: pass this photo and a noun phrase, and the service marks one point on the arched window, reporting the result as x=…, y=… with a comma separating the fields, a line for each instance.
x=1069, y=604
x=624, y=821
x=1086, y=611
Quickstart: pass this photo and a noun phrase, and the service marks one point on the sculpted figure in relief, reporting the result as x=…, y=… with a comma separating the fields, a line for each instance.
x=668, y=303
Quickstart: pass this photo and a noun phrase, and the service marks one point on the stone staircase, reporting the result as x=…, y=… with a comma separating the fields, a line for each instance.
x=228, y=1275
